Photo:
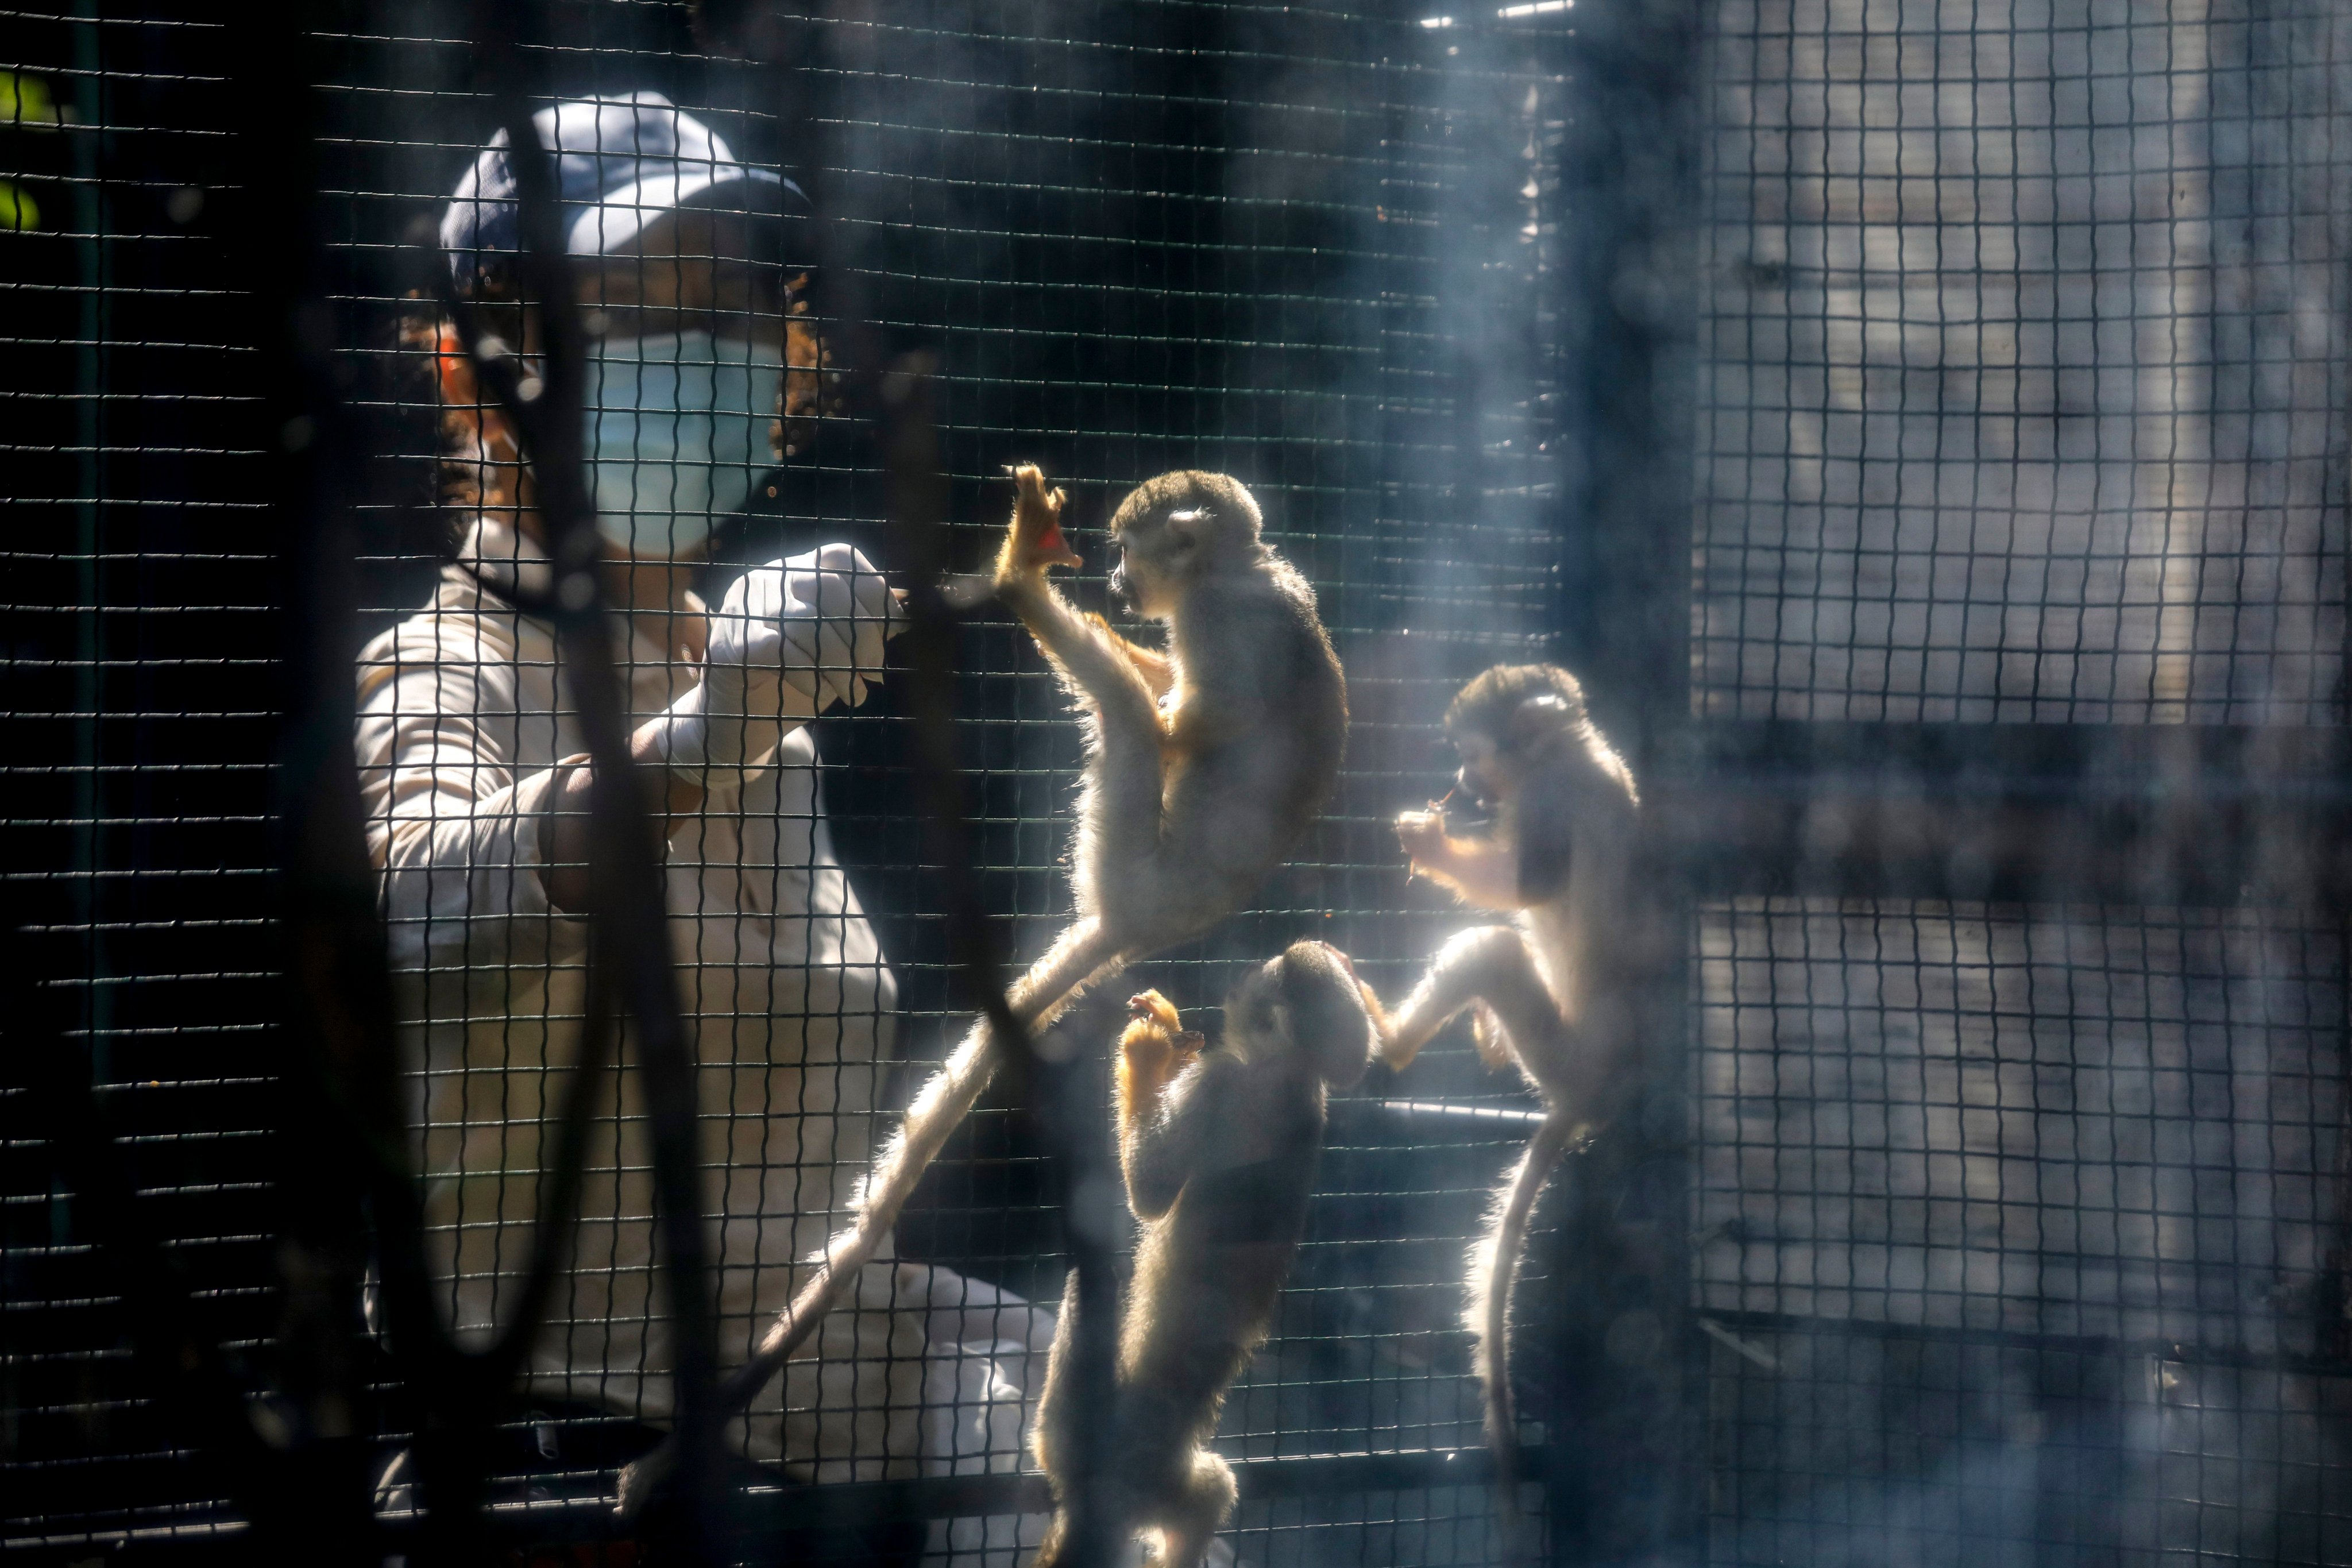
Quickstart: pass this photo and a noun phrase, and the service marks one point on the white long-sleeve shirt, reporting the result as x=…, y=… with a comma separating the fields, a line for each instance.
x=789, y=1003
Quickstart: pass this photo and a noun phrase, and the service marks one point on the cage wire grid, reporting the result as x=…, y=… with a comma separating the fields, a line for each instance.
x=136, y=771
x=2019, y=390
x=2017, y=404
x=1102, y=268
x=2022, y=349
x=2036, y=1203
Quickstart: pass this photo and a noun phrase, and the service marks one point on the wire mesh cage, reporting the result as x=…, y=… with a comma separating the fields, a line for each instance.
x=2041, y=1203
x=1924, y=431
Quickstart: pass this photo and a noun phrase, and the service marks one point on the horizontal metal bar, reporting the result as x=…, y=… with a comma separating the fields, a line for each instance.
x=144, y=1542
x=2065, y=759
x=1012, y=1492
x=766, y=1507
x=2097, y=1345
x=843, y=1503
x=1463, y=1112
x=2125, y=814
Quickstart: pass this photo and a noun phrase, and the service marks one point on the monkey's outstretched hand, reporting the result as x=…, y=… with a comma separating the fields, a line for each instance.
x=1035, y=540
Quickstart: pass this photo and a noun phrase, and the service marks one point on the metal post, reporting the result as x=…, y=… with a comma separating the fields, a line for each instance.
x=1628, y=218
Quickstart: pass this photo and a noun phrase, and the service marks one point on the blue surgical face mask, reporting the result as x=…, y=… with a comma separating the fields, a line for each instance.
x=677, y=432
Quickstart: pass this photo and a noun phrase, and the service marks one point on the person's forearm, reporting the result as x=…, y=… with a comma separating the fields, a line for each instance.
x=564, y=826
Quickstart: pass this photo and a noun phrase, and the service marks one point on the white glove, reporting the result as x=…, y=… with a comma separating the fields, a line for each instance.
x=843, y=597
x=790, y=639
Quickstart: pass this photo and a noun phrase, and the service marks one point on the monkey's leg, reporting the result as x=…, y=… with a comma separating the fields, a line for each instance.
x=1491, y=1038
x=1050, y=1438
x=1489, y=964
x=1205, y=1497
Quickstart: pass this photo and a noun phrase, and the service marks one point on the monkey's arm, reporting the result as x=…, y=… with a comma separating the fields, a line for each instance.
x=1164, y=1146
x=1482, y=872
x=1095, y=662
x=1154, y=1048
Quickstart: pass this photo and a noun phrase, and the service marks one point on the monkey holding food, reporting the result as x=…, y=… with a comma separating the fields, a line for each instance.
x=1220, y=1149
x=1553, y=991
x=1206, y=763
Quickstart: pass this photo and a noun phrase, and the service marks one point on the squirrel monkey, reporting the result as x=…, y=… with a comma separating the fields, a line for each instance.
x=1206, y=763
x=1220, y=1148
x=1551, y=992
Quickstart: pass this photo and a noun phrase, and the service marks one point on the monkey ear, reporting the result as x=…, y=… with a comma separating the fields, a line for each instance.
x=1545, y=713
x=1187, y=525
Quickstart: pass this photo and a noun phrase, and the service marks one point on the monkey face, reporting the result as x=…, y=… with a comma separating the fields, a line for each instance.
x=1507, y=720
x=1122, y=584
x=1485, y=775
x=1174, y=529
x=1156, y=553
x=1308, y=1000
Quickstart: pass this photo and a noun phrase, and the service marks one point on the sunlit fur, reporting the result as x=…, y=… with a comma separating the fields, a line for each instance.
x=1206, y=763
x=1218, y=1147
x=1553, y=991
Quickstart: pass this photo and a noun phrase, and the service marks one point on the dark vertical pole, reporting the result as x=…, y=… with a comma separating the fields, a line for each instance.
x=1624, y=1453
x=897, y=401
x=344, y=1135
x=337, y=1097
x=626, y=872
x=1630, y=222
x=895, y=395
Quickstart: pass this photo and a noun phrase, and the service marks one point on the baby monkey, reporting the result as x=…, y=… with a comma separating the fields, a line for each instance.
x=1220, y=1149
x=1552, y=992
x=1206, y=763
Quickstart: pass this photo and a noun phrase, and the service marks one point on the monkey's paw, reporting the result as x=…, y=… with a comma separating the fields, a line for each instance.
x=1035, y=541
x=1157, y=1009
x=1423, y=833
x=1489, y=1038
x=1388, y=1049
x=1154, y=1048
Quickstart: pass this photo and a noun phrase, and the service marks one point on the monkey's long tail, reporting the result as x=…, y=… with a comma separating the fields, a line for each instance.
x=1080, y=957
x=1494, y=1269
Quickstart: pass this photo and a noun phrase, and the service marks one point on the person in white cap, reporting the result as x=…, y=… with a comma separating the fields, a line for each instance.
x=476, y=786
